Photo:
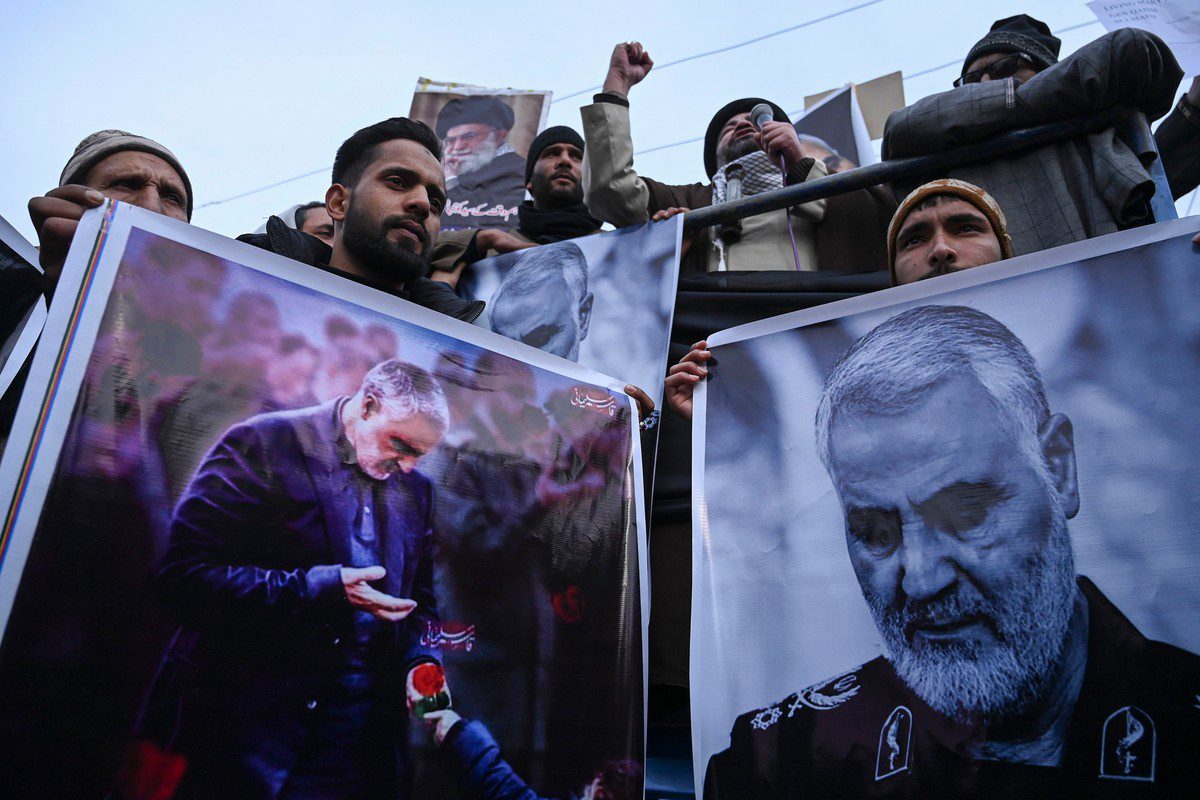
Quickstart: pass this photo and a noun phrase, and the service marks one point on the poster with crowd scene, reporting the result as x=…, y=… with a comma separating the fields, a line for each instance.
x=945, y=536
x=604, y=301
x=485, y=135
x=268, y=532
x=22, y=310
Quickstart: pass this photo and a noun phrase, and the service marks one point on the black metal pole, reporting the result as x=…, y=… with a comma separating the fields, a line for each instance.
x=902, y=168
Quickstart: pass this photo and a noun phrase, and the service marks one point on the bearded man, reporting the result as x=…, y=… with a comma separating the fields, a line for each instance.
x=387, y=195
x=1004, y=673
x=544, y=302
x=554, y=178
x=484, y=174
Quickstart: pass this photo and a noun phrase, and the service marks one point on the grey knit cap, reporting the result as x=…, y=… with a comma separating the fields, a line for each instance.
x=102, y=144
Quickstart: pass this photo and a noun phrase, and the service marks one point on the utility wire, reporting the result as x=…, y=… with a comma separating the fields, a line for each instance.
x=727, y=48
x=660, y=68
x=249, y=192
x=907, y=78
x=657, y=68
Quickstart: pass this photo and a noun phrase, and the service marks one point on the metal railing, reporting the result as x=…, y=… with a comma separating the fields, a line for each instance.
x=1133, y=125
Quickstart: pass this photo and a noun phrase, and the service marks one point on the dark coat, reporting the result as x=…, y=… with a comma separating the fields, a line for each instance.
x=1178, y=140
x=300, y=246
x=487, y=197
x=252, y=568
x=1068, y=190
x=866, y=734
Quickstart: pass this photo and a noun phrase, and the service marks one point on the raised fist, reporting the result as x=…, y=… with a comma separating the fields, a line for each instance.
x=630, y=63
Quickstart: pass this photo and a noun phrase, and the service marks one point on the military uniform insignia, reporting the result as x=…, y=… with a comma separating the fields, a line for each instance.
x=827, y=695
x=895, y=744
x=1128, y=745
x=766, y=718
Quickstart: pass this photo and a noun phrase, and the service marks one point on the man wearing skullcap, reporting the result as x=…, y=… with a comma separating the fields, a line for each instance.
x=110, y=163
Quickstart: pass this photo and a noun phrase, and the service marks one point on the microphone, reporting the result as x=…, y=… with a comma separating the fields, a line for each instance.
x=761, y=114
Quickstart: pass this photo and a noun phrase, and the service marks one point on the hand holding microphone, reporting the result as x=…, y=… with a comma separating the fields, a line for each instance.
x=780, y=142
x=777, y=139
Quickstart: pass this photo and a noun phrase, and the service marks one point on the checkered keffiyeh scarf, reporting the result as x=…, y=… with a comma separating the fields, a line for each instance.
x=758, y=175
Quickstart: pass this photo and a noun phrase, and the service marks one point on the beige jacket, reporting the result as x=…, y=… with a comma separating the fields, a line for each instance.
x=616, y=194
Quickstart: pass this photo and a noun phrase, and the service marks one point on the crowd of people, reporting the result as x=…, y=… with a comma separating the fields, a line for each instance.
x=380, y=224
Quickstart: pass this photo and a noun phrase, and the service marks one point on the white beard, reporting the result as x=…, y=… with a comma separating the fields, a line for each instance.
x=474, y=161
x=1001, y=682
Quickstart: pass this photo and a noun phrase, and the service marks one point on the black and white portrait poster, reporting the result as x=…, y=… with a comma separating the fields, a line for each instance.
x=604, y=301
x=946, y=540
x=835, y=132
x=22, y=309
x=485, y=135
x=271, y=533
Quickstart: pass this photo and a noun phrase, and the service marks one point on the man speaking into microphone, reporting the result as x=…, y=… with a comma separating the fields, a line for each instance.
x=846, y=232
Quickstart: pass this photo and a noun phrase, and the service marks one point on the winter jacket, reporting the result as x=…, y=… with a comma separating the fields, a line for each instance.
x=300, y=246
x=1069, y=190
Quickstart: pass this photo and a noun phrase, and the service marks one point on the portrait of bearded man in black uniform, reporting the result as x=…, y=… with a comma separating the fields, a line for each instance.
x=1004, y=672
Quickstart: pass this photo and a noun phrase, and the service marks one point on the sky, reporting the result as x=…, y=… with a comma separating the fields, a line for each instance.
x=247, y=94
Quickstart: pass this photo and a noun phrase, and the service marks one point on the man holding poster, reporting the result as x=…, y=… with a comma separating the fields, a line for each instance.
x=956, y=483
x=292, y=518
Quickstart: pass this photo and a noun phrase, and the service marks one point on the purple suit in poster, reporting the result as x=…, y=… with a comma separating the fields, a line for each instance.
x=275, y=685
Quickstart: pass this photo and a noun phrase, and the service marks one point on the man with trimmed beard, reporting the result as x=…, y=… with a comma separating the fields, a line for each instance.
x=386, y=198
x=1004, y=672
x=554, y=178
x=484, y=173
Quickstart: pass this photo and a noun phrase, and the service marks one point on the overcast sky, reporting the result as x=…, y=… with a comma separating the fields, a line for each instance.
x=247, y=94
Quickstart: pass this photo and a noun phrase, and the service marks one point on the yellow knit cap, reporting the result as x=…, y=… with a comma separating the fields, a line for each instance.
x=969, y=192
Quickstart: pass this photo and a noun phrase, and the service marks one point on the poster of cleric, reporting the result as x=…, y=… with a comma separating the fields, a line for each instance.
x=576, y=299
x=976, y=573
x=271, y=533
x=485, y=135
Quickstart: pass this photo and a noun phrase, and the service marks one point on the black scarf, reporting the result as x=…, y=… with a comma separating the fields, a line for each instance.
x=546, y=226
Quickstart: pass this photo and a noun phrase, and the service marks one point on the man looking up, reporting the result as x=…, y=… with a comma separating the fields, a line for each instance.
x=945, y=226
x=841, y=232
x=554, y=179
x=387, y=194
x=110, y=163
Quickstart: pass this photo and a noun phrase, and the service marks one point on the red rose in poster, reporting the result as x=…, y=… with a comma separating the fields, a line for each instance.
x=428, y=679
x=569, y=604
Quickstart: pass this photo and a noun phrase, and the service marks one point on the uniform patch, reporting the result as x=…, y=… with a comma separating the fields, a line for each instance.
x=1128, y=745
x=766, y=718
x=827, y=695
x=895, y=744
